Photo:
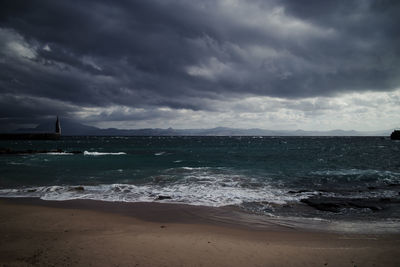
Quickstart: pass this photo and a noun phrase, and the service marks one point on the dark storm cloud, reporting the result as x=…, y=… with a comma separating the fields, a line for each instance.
x=132, y=115
x=149, y=54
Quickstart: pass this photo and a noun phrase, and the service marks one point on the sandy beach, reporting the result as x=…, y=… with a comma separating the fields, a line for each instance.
x=91, y=233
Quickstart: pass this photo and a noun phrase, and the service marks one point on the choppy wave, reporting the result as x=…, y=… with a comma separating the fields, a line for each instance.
x=266, y=201
x=59, y=153
x=330, y=178
x=195, y=186
x=197, y=194
x=16, y=163
x=208, y=186
x=95, y=153
x=354, y=176
x=259, y=193
x=351, y=172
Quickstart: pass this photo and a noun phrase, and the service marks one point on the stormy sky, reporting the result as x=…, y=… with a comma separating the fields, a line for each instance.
x=278, y=64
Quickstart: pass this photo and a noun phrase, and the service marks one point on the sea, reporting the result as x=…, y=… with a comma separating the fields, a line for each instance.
x=350, y=180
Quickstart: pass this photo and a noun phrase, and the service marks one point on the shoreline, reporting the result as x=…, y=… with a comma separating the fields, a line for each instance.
x=231, y=216
x=158, y=212
x=95, y=233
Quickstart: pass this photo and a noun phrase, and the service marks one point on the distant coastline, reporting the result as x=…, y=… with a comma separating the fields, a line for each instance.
x=73, y=128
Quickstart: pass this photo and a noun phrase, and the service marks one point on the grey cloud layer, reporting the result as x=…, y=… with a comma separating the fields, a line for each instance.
x=181, y=54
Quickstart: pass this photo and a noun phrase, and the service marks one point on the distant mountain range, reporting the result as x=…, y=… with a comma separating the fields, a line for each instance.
x=71, y=128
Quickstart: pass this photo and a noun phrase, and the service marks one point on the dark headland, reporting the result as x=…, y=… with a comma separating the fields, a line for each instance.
x=34, y=136
x=395, y=135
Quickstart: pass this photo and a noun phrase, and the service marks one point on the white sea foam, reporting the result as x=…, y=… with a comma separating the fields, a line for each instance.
x=194, y=168
x=195, y=194
x=59, y=153
x=159, y=153
x=95, y=153
x=190, y=185
x=196, y=186
x=16, y=163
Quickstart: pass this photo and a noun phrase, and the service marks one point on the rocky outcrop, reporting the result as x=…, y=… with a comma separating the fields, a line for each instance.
x=395, y=135
x=333, y=204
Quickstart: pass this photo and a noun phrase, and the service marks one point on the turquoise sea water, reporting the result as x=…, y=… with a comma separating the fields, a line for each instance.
x=313, y=177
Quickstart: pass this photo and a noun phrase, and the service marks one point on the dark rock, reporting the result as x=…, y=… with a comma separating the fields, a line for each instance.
x=77, y=188
x=395, y=135
x=332, y=207
x=163, y=197
x=332, y=204
x=363, y=204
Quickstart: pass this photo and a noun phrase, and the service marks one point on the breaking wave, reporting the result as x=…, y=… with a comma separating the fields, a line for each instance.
x=94, y=153
x=59, y=153
x=195, y=186
x=214, y=196
x=354, y=172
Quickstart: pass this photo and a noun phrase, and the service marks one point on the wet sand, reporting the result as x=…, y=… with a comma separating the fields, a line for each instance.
x=92, y=233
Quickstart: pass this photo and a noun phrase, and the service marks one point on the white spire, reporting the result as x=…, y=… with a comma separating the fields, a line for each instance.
x=58, y=127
